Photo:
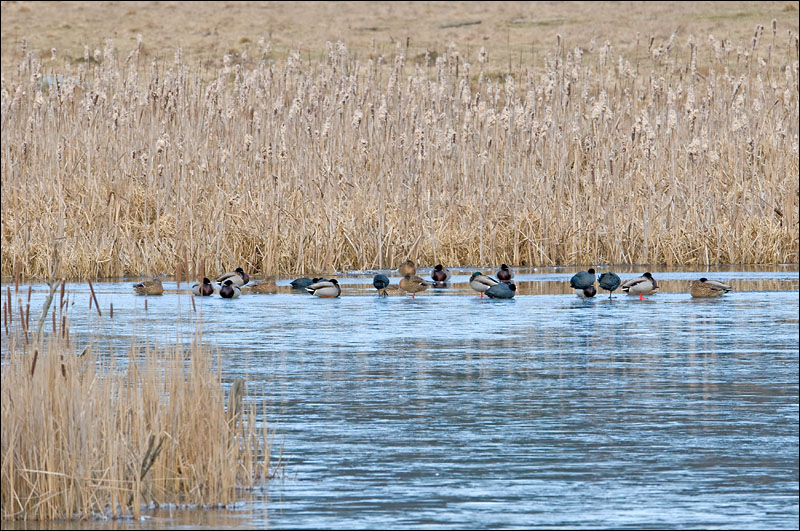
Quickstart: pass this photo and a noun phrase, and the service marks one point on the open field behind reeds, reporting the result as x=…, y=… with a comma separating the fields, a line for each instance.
x=683, y=151
x=86, y=436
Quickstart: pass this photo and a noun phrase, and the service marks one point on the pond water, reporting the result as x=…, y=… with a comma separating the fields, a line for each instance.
x=451, y=411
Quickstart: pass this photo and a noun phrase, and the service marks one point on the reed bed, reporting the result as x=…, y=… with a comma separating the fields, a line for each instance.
x=86, y=436
x=684, y=153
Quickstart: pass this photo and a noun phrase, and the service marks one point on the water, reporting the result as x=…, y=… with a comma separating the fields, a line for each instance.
x=450, y=411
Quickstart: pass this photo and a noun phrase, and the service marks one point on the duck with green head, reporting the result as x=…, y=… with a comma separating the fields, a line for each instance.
x=203, y=289
x=481, y=283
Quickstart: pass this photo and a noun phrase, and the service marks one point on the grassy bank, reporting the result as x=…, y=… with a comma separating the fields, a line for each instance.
x=295, y=165
x=83, y=436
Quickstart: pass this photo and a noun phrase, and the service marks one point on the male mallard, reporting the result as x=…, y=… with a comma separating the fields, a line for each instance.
x=440, y=273
x=705, y=289
x=238, y=276
x=327, y=289
x=265, y=286
x=381, y=282
x=413, y=284
x=407, y=268
x=583, y=283
x=203, y=289
x=149, y=287
x=505, y=273
x=501, y=290
x=303, y=283
x=609, y=282
x=643, y=285
x=480, y=282
x=229, y=290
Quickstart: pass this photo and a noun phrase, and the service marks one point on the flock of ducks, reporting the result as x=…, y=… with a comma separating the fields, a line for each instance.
x=501, y=287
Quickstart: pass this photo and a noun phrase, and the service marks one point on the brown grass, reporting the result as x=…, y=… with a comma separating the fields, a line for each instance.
x=683, y=152
x=83, y=436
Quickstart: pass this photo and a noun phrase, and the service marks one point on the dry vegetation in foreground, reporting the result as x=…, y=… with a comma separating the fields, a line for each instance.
x=302, y=166
x=83, y=436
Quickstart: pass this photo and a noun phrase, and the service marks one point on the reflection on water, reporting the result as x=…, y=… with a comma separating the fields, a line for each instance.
x=542, y=411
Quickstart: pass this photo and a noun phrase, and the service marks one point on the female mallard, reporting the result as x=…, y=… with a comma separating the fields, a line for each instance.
x=229, y=290
x=407, y=268
x=440, y=273
x=303, y=283
x=480, y=282
x=413, y=284
x=705, y=289
x=583, y=283
x=265, y=286
x=238, y=276
x=327, y=289
x=643, y=285
x=203, y=289
x=501, y=290
x=149, y=287
x=392, y=290
x=505, y=273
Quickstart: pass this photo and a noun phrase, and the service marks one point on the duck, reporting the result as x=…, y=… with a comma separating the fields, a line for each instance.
x=413, y=284
x=381, y=282
x=583, y=283
x=609, y=282
x=304, y=282
x=505, y=273
x=149, y=287
x=501, y=290
x=203, y=289
x=392, y=290
x=229, y=290
x=480, y=282
x=706, y=289
x=586, y=293
x=407, y=268
x=440, y=273
x=265, y=286
x=327, y=289
x=643, y=285
x=238, y=276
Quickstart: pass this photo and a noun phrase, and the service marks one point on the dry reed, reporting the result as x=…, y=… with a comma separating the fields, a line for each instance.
x=688, y=156
x=84, y=436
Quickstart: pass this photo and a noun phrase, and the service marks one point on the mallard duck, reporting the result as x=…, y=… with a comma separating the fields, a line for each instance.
x=413, y=284
x=643, y=285
x=480, y=282
x=586, y=293
x=238, y=276
x=327, y=289
x=501, y=290
x=381, y=282
x=609, y=282
x=203, y=289
x=392, y=290
x=505, y=273
x=265, y=286
x=407, y=268
x=705, y=289
x=149, y=287
x=229, y=290
x=583, y=283
x=440, y=273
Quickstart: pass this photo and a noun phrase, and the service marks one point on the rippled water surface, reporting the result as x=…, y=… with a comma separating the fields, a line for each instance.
x=450, y=411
